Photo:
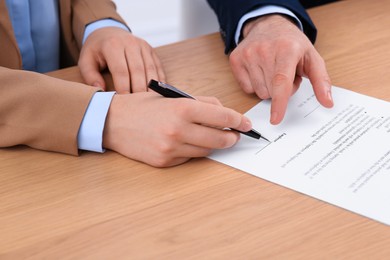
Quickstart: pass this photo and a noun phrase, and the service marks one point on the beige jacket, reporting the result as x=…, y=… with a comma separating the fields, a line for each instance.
x=40, y=111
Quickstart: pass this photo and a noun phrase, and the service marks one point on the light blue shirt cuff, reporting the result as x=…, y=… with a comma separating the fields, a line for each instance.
x=101, y=24
x=90, y=136
x=269, y=9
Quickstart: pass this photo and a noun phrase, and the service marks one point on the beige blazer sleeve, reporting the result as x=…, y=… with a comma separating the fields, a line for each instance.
x=41, y=111
x=37, y=110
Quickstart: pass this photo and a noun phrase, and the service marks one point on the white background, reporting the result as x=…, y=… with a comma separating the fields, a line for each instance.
x=162, y=22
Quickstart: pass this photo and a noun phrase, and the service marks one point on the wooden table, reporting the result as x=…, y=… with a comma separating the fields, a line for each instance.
x=105, y=206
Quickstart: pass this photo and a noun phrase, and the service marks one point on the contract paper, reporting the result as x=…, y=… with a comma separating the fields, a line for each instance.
x=339, y=155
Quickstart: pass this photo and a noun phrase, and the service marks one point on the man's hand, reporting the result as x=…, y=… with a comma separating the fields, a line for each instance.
x=272, y=59
x=131, y=60
x=164, y=132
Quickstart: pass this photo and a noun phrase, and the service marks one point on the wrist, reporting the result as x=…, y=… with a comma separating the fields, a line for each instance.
x=267, y=20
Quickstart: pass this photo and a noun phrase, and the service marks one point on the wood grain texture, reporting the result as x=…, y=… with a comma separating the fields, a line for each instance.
x=104, y=206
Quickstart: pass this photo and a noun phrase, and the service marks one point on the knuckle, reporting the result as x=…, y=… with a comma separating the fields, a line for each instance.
x=231, y=118
x=171, y=133
x=264, y=48
x=162, y=161
x=263, y=94
x=228, y=118
x=165, y=148
x=226, y=141
x=288, y=43
x=184, y=108
x=293, y=45
x=245, y=86
x=258, y=48
x=222, y=142
x=279, y=79
x=248, y=53
x=234, y=59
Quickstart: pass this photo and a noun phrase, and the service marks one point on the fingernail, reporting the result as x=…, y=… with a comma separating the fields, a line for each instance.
x=330, y=95
x=274, y=117
x=247, y=125
x=330, y=98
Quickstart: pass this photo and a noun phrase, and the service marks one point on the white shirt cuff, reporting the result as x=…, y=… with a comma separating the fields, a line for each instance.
x=90, y=136
x=269, y=9
x=101, y=24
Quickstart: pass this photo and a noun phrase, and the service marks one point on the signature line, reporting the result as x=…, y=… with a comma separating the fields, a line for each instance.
x=262, y=148
x=311, y=111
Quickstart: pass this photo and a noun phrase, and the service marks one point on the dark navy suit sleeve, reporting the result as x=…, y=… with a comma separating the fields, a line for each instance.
x=229, y=12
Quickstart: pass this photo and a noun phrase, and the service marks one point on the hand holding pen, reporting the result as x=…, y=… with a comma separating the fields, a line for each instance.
x=165, y=132
x=170, y=91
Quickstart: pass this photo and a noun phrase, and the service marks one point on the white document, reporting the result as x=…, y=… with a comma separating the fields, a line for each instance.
x=339, y=155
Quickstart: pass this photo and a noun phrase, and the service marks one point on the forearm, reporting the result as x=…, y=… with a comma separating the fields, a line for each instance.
x=40, y=111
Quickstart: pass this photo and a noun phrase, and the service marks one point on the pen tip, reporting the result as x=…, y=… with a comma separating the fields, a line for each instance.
x=265, y=139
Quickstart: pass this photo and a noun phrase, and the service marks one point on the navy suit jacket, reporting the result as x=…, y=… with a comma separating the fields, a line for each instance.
x=229, y=12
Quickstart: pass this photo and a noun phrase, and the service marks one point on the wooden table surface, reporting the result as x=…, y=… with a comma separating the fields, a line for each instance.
x=105, y=206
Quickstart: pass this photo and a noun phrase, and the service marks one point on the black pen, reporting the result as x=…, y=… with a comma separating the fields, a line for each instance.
x=169, y=91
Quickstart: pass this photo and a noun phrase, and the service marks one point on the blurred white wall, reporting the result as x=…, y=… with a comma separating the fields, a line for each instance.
x=197, y=18
x=162, y=22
